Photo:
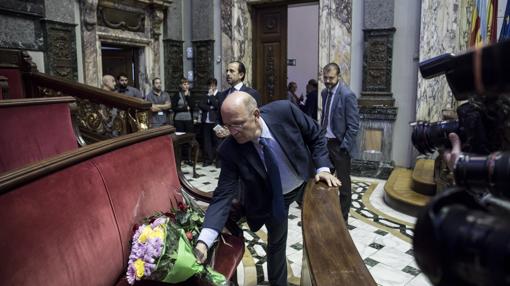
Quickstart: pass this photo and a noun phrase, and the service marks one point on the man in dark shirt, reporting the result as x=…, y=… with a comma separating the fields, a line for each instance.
x=124, y=88
x=209, y=108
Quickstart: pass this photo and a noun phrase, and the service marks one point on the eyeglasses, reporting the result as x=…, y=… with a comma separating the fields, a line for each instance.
x=235, y=127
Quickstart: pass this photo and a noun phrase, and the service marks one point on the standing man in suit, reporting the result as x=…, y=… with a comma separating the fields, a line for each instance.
x=209, y=108
x=311, y=98
x=257, y=154
x=340, y=118
x=236, y=71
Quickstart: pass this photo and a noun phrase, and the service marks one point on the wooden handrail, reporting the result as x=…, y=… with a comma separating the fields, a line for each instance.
x=36, y=101
x=84, y=91
x=331, y=256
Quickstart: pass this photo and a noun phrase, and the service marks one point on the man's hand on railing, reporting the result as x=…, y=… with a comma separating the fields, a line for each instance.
x=201, y=252
x=328, y=178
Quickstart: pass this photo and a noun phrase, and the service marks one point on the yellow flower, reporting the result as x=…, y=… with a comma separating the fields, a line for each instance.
x=139, y=267
x=158, y=231
x=145, y=233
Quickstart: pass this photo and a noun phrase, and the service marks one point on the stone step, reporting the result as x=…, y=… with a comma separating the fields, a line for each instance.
x=423, y=177
x=399, y=193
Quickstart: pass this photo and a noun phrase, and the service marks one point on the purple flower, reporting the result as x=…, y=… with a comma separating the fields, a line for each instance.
x=130, y=274
x=159, y=221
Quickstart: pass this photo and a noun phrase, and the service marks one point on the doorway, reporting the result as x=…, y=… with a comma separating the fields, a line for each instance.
x=285, y=47
x=121, y=59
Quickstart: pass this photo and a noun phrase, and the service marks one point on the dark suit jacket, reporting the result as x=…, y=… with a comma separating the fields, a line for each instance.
x=311, y=104
x=221, y=97
x=206, y=104
x=175, y=107
x=344, y=116
x=301, y=139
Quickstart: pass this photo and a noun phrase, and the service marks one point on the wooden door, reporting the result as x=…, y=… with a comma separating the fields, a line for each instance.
x=270, y=52
x=117, y=60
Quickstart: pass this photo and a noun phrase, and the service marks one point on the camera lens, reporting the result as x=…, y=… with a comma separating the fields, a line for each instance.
x=427, y=137
x=490, y=172
x=458, y=242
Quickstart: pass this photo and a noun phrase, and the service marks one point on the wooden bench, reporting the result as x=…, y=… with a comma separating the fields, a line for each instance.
x=68, y=220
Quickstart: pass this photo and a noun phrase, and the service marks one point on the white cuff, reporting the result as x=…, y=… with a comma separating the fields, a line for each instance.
x=208, y=235
x=323, y=169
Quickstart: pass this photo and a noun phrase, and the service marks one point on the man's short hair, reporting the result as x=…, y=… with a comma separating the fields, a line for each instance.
x=154, y=80
x=313, y=83
x=331, y=66
x=240, y=68
x=212, y=81
x=122, y=75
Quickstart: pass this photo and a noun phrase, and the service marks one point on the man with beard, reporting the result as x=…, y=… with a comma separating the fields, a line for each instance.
x=125, y=89
x=160, y=104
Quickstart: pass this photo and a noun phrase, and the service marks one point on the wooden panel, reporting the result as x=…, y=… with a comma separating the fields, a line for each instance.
x=373, y=139
x=270, y=52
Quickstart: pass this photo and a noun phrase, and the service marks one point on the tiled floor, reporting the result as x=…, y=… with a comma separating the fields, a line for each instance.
x=381, y=235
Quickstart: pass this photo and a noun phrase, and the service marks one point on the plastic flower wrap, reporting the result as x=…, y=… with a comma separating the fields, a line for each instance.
x=162, y=249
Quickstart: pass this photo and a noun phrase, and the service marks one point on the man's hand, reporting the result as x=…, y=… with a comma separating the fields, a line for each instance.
x=154, y=108
x=329, y=178
x=452, y=155
x=222, y=133
x=201, y=252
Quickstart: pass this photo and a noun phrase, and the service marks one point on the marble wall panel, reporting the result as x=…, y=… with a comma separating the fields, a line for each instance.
x=444, y=29
x=60, y=11
x=202, y=14
x=21, y=33
x=378, y=14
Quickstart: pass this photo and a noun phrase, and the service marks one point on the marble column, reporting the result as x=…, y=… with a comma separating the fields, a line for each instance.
x=156, y=16
x=203, y=44
x=335, y=22
x=444, y=29
x=88, y=10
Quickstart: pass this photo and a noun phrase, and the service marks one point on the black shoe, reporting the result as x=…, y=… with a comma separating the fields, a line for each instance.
x=206, y=163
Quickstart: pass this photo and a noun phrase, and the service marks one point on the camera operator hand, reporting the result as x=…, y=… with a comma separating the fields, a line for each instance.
x=452, y=155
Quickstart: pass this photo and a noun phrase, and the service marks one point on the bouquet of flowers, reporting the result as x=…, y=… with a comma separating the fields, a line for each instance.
x=162, y=248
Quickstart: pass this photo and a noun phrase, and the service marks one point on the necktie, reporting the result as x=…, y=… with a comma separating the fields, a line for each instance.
x=273, y=172
x=325, y=111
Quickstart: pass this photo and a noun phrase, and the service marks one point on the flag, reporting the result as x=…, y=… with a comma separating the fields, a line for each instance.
x=484, y=23
x=505, y=28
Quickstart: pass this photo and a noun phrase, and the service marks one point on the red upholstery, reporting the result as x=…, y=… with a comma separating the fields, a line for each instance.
x=32, y=133
x=73, y=227
x=60, y=230
x=15, y=81
x=140, y=181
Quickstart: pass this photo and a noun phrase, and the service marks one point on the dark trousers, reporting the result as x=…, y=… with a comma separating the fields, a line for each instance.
x=342, y=162
x=277, y=243
x=210, y=141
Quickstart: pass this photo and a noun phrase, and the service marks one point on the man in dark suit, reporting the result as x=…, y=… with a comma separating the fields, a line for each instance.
x=209, y=108
x=272, y=152
x=311, y=98
x=236, y=71
x=340, y=118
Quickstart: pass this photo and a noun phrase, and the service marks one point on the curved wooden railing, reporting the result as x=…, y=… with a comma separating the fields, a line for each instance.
x=100, y=114
x=330, y=256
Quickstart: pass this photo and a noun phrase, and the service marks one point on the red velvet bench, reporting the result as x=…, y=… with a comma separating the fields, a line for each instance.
x=68, y=220
x=34, y=129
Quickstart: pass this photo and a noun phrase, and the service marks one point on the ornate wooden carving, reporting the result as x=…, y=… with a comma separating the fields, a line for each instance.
x=377, y=63
x=173, y=52
x=269, y=63
x=203, y=64
x=60, y=51
x=121, y=19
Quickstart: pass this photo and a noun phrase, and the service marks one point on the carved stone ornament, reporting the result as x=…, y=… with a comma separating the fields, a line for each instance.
x=157, y=17
x=120, y=19
x=88, y=13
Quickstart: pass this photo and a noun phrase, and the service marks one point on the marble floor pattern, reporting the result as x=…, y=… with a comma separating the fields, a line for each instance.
x=382, y=236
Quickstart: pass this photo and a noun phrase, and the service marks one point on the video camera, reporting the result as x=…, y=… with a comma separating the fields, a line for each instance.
x=479, y=76
x=462, y=237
